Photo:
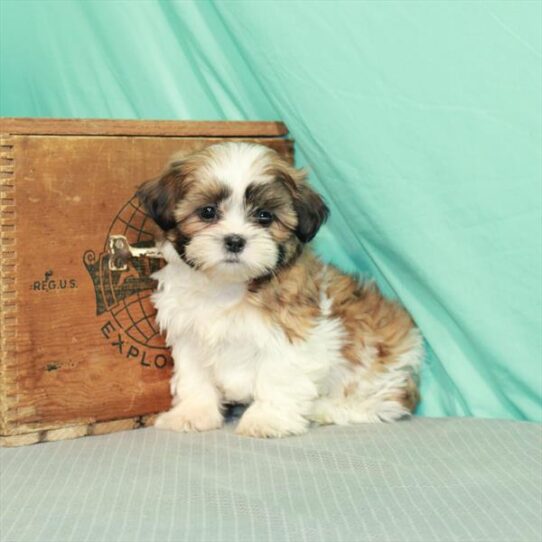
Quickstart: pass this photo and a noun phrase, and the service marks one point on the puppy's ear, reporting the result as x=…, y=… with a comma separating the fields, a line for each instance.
x=311, y=211
x=159, y=196
x=309, y=206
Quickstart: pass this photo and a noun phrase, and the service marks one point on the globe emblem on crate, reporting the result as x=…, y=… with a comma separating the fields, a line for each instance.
x=126, y=294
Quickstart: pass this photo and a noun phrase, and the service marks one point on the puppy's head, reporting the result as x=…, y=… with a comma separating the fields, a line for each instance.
x=234, y=210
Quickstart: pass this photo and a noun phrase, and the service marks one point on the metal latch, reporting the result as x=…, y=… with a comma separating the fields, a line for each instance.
x=121, y=251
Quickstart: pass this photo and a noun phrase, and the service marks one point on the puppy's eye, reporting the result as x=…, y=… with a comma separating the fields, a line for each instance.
x=208, y=213
x=264, y=217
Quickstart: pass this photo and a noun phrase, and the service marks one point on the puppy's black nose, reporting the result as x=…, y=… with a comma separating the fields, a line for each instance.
x=235, y=243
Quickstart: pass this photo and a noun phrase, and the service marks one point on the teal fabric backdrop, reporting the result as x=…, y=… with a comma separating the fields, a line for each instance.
x=420, y=123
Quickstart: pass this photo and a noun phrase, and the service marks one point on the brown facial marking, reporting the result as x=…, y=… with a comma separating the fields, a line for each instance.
x=309, y=206
x=198, y=195
x=159, y=196
x=173, y=199
x=273, y=196
x=277, y=199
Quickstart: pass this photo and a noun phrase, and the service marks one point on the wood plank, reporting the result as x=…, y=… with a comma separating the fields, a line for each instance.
x=66, y=433
x=76, y=431
x=113, y=426
x=20, y=440
x=162, y=128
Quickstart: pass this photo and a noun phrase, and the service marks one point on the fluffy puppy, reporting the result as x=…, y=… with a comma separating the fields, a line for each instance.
x=253, y=316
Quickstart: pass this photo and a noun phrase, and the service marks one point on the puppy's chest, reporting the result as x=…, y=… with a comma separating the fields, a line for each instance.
x=215, y=317
x=230, y=335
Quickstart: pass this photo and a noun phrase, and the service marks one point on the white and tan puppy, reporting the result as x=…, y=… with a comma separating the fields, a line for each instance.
x=252, y=316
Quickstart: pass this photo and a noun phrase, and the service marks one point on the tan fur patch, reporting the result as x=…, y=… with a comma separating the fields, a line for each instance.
x=370, y=320
x=291, y=298
x=198, y=195
x=275, y=197
x=410, y=395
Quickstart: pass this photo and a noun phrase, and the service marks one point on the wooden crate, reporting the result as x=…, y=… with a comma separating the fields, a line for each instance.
x=79, y=350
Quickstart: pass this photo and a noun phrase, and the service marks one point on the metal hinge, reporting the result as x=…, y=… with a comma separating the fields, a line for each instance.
x=121, y=251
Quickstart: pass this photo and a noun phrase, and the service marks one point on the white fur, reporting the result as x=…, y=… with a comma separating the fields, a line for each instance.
x=369, y=402
x=225, y=351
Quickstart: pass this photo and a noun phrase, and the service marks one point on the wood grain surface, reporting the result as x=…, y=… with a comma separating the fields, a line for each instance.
x=140, y=128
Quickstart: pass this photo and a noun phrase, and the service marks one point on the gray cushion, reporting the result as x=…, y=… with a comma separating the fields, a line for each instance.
x=419, y=480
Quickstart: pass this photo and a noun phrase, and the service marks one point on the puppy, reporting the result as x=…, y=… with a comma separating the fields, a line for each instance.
x=253, y=316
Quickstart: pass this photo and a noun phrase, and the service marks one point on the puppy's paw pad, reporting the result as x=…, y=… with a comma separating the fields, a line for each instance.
x=186, y=420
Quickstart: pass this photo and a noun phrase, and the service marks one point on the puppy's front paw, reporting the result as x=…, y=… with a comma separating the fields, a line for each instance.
x=264, y=421
x=184, y=418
